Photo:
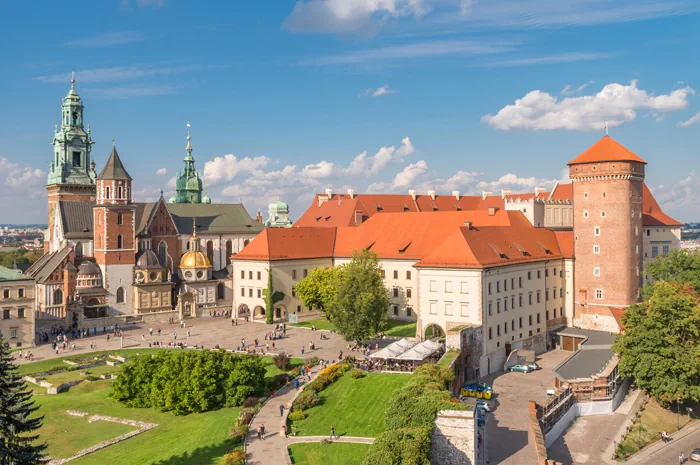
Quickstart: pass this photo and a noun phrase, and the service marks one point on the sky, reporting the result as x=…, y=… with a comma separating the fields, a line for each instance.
x=288, y=98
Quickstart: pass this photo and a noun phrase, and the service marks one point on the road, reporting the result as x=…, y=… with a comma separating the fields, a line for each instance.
x=668, y=453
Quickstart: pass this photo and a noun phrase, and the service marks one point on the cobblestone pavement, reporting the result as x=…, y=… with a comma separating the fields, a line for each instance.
x=208, y=332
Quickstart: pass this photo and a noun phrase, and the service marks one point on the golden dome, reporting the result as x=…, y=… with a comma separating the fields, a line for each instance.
x=194, y=259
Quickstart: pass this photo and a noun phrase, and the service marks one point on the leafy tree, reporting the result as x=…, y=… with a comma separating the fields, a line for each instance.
x=318, y=288
x=679, y=266
x=401, y=447
x=16, y=408
x=20, y=256
x=271, y=298
x=659, y=346
x=359, y=305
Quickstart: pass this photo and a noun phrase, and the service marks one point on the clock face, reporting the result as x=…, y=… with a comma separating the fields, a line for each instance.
x=139, y=277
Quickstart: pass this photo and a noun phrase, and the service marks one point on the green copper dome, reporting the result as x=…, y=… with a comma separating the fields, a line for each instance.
x=188, y=184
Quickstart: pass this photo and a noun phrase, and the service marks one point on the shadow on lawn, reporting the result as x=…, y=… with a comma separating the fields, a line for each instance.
x=201, y=455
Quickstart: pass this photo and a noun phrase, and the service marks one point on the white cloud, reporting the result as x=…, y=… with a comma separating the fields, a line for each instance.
x=322, y=169
x=22, y=178
x=379, y=92
x=349, y=16
x=171, y=182
x=570, y=90
x=693, y=120
x=465, y=7
x=614, y=104
x=119, y=73
x=229, y=166
x=363, y=165
x=568, y=57
x=161, y=171
x=408, y=175
x=680, y=199
x=106, y=40
x=515, y=183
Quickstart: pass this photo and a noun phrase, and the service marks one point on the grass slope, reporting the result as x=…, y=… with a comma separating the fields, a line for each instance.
x=328, y=454
x=396, y=328
x=354, y=406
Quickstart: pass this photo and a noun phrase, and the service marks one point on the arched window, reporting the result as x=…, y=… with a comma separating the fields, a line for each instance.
x=210, y=252
x=120, y=219
x=229, y=252
x=120, y=295
x=120, y=192
x=119, y=241
x=246, y=242
x=220, y=291
x=78, y=250
x=163, y=253
x=57, y=297
x=107, y=192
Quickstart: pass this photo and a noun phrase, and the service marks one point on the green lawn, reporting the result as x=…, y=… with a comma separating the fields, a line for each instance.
x=328, y=454
x=448, y=357
x=272, y=370
x=44, y=365
x=398, y=328
x=320, y=323
x=354, y=406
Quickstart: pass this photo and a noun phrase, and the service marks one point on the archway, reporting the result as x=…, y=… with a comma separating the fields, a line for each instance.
x=280, y=312
x=258, y=312
x=433, y=331
x=220, y=291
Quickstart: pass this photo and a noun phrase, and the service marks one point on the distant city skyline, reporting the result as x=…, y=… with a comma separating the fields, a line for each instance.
x=286, y=99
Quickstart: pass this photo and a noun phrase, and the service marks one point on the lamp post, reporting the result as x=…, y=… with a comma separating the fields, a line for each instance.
x=689, y=410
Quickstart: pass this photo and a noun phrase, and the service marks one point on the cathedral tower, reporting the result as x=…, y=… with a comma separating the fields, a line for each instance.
x=71, y=171
x=607, y=189
x=115, y=250
x=188, y=186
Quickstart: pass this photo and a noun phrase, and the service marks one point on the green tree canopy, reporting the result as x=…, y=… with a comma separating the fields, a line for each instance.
x=659, y=347
x=17, y=422
x=318, y=288
x=360, y=302
x=679, y=266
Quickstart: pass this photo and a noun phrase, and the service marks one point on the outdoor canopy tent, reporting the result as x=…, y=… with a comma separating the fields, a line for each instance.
x=394, y=349
x=421, y=351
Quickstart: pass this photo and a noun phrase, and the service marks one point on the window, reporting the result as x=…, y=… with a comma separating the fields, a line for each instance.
x=120, y=192
x=396, y=310
x=538, y=296
x=505, y=304
x=298, y=308
x=409, y=311
x=5, y=293
x=546, y=294
x=20, y=292
x=243, y=292
x=554, y=272
x=221, y=291
x=498, y=306
x=498, y=330
x=120, y=241
x=433, y=308
x=396, y=274
x=408, y=292
x=121, y=295
x=383, y=273
x=512, y=301
x=498, y=287
x=598, y=294
x=250, y=292
x=538, y=317
x=520, y=322
x=636, y=230
x=665, y=249
x=529, y=298
x=259, y=293
x=163, y=253
x=596, y=231
x=120, y=219
x=294, y=274
x=20, y=312
x=396, y=292
x=13, y=334
x=596, y=271
x=464, y=309
x=448, y=286
x=408, y=274
x=250, y=274
x=294, y=292
x=306, y=272
x=107, y=192
x=512, y=325
x=547, y=314
x=57, y=297
x=520, y=282
x=433, y=286
x=529, y=275
x=654, y=251
x=242, y=274
x=539, y=274
x=505, y=328
x=505, y=284
x=490, y=333
x=602, y=214
x=585, y=195
x=520, y=300
x=585, y=214
x=76, y=159
x=546, y=273
x=448, y=308
x=259, y=275
x=512, y=283
x=596, y=249
x=490, y=313
x=648, y=232
x=561, y=292
x=464, y=288
x=6, y=314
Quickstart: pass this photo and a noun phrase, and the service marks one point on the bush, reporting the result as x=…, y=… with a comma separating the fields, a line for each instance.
x=281, y=361
x=313, y=361
x=237, y=457
x=406, y=446
x=297, y=415
x=304, y=401
x=246, y=416
x=325, y=441
x=251, y=402
x=295, y=372
x=189, y=381
x=357, y=374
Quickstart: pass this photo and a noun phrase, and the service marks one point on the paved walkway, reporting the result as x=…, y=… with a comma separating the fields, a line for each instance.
x=660, y=452
x=273, y=448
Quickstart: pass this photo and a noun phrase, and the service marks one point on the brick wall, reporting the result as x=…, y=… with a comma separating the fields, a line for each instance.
x=454, y=438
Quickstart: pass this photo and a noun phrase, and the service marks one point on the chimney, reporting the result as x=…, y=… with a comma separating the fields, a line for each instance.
x=431, y=193
x=258, y=217
x=351, y=193
x=412, y=193
x=505, y=192
x=329, y=193
x=485, y=194
x=358, y=218
x=492, y=211
x=538, y=191
x=456, y=194
x=468, y=225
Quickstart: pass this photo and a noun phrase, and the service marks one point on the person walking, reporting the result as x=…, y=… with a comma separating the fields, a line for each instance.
x=333, y=432
x=262, y=432
x=286, y=431
x=681, y=458
x=281, y=410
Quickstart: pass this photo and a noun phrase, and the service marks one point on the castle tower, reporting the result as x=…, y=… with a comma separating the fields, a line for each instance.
x=188, y=186
x=607, y=191
x=115, y=249
x=71, y=171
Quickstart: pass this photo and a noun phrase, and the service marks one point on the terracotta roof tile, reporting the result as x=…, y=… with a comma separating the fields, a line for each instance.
x=617, y=314
x=565, y=239
x=289, y=244
x=563, y=191
x=606, y=149
x=652, y=215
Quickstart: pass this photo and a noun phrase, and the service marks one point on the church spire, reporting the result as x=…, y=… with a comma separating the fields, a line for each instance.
x=188, y=184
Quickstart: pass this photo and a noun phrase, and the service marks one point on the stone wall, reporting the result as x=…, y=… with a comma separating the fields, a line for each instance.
x=454, y=438
x=159, y=317
x=536, y=437
x=536, y=343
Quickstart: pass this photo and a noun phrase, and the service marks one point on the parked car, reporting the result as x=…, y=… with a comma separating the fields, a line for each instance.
x=483, y=405
x=521, y=368
x=533, y=365
x=695, y=455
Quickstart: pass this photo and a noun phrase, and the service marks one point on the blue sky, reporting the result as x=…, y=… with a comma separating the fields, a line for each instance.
x=287, y=98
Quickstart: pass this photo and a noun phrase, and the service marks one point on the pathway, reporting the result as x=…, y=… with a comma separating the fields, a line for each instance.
x=273, y=449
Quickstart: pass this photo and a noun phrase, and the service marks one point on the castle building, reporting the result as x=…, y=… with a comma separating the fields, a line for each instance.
x=278, y=215
x=16, y=307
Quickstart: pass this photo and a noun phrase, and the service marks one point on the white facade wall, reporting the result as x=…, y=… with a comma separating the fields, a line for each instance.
x=659, y=240
x=114, y=277
x=238, y=241
x=449, y=298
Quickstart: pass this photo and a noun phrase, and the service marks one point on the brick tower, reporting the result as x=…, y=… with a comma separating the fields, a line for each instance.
x=71, y=171
x=115, y=250
x=607, y=192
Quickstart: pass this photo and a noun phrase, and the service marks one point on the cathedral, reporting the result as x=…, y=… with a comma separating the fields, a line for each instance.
x=110, y=259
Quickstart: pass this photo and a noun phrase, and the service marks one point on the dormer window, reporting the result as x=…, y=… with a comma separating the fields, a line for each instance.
x=76, y=159
x=106, y=192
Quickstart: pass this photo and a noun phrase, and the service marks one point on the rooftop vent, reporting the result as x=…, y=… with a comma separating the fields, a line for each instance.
x=431, y=193
x=351, y=193
x=412, y=193
x=492, y=211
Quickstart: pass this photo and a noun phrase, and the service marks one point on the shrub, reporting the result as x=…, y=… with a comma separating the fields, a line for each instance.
x=325, y=441
x=246, y=416
x=304, y=401
x=295, y=372
x=357, y=374
x=251, y=402
x=405, y=446
x=313, y=361
x=281, y=361
x=315, y=385
x=237, y=457
x=297, y=415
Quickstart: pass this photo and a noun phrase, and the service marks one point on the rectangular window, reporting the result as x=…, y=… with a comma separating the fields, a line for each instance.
x=489, y=288
x=520, y=322
x=396, y=292
x=512, y=301
x=505, y=304
x=306, y=272
x=464, y=288
x=242, y=274
x=512, y=325
x=546, y=294
x=294, y=292
x=529, y=320
x=520, y=300
x=554, y=272
x=13, y=333
x=529, y=275
x=448, y=308
x=654, y=251
x=490, y=313
x=539, y=274
x=505, y=328
x=529, y=298
x=298, y=308
x=547, y=314
x=243, y=292
x=464, y=309
x=561, y=292
x=596, y=249
x=596, y=231
x=664, y=249
x=538, y=317
x=498, y=330
x=250, y=275
x=294, y=274
x=408, y=292
x=538, y=296
x=512, y=283
x=505, y=284
x=433, y=308
x=250, y=292
x=20, y=313
x=383, y=274
x=409, y=311
x=598, y=294
x=490, y=333
x=396, y=310
x=546, y=272
x=520, y=282
x=498, y=306
x=76, y=159
x=448, y=286
x=433, y=286
x=20, y=292
x=259, y=275
x=596, y=271
x=259, y=293
x=6, y=314
x=498, y=287
x=408, y=274
x=396, y=274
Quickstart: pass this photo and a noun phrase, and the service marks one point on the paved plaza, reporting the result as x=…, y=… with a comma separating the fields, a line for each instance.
x=209, y=332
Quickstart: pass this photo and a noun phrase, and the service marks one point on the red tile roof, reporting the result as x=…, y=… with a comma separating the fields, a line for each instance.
x=563, y=191
x=606, y=149
x=617, y=314
x=289, y=244
x=651, y=212
x=565, y=239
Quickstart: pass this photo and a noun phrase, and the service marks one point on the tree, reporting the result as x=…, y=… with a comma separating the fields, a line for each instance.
x=271, y=298
x=16, y=408
x=679, y=266
x=659, y=346
x=360, y=302
x=318, y=289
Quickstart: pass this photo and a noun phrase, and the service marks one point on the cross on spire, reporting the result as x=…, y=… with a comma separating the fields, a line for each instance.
x=72, y=79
